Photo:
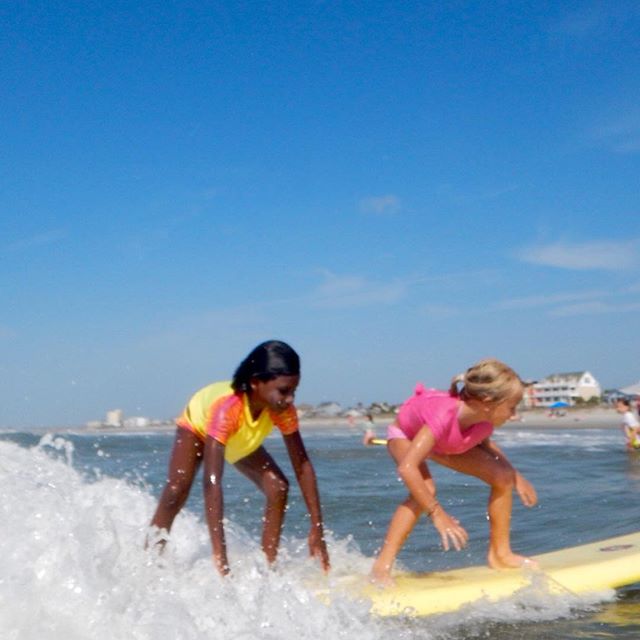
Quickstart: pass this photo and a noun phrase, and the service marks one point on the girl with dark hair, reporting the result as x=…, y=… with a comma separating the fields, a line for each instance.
x=228, y=421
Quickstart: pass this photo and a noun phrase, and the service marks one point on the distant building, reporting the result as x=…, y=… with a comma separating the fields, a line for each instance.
x=136, y=422
x=328, y=409
x=304, y=409
x=113, y=418
x=529, y=395
x=572, y=388
x=381, y=407
x=610, y=396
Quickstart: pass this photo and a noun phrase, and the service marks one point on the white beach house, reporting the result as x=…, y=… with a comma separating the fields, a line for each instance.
x=571, y=388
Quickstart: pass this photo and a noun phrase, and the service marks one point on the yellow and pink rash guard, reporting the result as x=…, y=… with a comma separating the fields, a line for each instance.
x=218, y=411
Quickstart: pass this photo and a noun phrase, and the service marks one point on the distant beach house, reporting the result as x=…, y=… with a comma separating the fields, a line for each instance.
x=573, y=388
x=114, y=418
x=328, y=409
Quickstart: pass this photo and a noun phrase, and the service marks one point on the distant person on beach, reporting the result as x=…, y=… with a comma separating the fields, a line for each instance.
x=453, y=429
x=229, y=421
x=369, y=436
x=630, y=424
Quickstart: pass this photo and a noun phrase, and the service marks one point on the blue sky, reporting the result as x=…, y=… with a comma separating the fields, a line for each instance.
x=398, y=189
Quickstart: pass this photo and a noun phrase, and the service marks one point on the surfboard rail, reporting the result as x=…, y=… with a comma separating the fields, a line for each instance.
x=594, y=567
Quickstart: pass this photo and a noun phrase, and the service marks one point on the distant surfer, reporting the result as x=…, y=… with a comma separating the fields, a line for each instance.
x=630, y=424
x=453, y=428
x=369, y=436
x=229, y=421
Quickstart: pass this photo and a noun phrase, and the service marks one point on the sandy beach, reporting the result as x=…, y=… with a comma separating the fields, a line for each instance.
x=596, y=417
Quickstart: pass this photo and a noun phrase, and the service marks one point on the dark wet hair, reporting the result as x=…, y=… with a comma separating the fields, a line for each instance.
x=267, y=361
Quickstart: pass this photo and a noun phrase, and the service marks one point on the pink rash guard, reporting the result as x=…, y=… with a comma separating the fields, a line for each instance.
x=438, y=410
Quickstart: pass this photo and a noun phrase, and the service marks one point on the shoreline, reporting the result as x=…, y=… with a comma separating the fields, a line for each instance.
x=594, y=418
x=573, y=418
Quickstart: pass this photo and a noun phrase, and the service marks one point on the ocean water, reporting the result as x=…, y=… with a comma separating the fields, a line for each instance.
x=75, y=508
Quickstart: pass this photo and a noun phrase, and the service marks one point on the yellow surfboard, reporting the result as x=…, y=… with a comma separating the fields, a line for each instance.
x=588, y=568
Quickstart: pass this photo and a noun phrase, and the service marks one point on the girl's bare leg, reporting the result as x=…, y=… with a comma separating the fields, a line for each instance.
x=185, y=460
x=500, y=477
x=403, y=521
x=263, y=471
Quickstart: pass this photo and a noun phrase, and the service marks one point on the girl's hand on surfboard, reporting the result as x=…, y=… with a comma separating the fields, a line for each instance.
x=450, y=529
x=526, y=491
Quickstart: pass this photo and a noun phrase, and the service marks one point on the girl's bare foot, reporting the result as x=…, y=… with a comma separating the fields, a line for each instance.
x=381, y=579
x=510, y=560
x=156, y=540
x=381, y=573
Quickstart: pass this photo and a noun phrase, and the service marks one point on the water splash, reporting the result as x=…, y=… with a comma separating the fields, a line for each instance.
x=58, y=443
x=73, y=566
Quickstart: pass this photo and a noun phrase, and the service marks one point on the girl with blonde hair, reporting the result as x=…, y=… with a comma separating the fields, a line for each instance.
x=453, y=428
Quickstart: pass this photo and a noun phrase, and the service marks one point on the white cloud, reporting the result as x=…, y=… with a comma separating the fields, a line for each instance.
x=467, y=197
x=343, y=291
x=581, y=23
x=596, y=20
x=620, y=134
x=45, y=238
x=6, y=333
x=584, y=256
x=594, y=307
x=355, y=291
x=531, y=302
x=590, y=302
x=439, y=311
x=380, y=204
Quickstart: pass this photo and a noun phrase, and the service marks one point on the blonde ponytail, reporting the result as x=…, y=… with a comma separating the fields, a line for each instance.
x=456, y=381
x=489, y=380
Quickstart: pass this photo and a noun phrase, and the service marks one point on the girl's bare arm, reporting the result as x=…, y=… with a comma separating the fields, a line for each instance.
x=447, y=526
x=306, y=476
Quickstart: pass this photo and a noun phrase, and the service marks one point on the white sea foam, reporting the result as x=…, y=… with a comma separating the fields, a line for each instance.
x=588, y=439
x=73, y=566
